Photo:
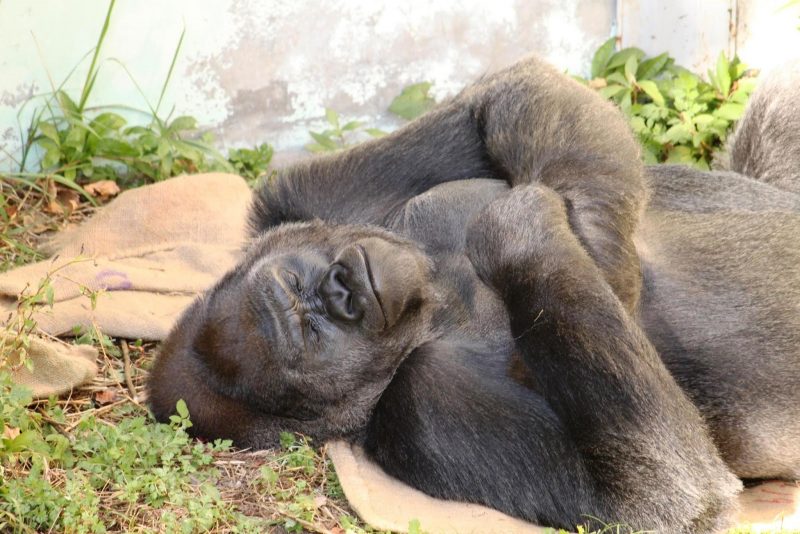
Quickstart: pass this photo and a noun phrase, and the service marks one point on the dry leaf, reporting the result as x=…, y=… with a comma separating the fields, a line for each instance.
x=337, y=530
x=11, y=211
x=103, y=189
x=598, y=83
x=64, y=201
x=107, y=396
x=10, y=432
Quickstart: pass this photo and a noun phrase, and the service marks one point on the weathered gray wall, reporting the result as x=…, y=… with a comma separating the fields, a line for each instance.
x=264, y=70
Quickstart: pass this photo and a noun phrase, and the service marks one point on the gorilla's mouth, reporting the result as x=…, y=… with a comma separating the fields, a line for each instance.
x=372, y=286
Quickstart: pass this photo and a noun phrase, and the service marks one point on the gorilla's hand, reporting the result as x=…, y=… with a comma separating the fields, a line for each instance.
x=520, y=230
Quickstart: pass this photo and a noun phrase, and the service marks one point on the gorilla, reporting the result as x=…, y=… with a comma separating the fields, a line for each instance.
x=503, y=307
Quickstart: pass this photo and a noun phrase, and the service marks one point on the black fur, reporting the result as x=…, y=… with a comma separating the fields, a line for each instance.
x=536, y=340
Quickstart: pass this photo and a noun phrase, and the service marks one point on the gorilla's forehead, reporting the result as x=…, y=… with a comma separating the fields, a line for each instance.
x=316, y=236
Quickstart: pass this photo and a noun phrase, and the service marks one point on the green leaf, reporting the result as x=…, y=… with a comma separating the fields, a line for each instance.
x=611, y=91
x=114, y=148
x=49, y=130
x=324, y=141
x=75, y=138
x=49, y=295
x=413, y=101
x=650, y=68
x=52, y=154
x=332, y=117
x=107, y=121
x=630, y=68
x=183, y=123
x=352, y=125
x=620, y=58
x=601, y=57
x=680, y=154
x=25, y=441
x=182, y=409
x=731, y=111
x=163, y=148
x=651, y=89
x=68, y=107
x=723, y=77
x=376, y=132
x=703, y=120
x=616, y=77
x=187, y=151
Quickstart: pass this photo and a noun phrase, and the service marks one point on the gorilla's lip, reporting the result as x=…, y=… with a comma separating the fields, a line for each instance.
x=371, y=278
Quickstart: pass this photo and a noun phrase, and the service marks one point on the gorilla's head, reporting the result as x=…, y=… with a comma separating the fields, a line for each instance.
x=304, y=334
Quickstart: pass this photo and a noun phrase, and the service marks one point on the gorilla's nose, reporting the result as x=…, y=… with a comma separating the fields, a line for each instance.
x=337, y=296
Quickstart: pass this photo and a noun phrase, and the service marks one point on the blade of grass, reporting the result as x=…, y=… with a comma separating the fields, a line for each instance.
x=152, y=112
x=171, y=68
x=91, y=75
x=23, y=180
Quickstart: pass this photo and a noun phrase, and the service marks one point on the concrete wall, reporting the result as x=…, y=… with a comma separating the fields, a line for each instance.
x=264, y=70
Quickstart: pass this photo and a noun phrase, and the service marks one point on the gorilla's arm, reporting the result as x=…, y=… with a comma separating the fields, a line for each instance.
x=527, y=123
x=643, y=449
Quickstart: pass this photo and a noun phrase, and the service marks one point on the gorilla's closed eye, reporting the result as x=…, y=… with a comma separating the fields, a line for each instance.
x=294, y=281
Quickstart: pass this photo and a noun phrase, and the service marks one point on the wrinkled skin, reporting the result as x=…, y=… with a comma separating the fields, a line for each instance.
x=529, y=341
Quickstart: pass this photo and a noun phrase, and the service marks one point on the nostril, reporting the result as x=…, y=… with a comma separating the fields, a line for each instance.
x=337, y=296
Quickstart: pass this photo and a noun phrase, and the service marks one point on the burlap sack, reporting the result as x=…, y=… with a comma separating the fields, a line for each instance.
x=149, y=253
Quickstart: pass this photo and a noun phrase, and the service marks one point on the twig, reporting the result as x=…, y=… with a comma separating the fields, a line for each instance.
x=126, y=358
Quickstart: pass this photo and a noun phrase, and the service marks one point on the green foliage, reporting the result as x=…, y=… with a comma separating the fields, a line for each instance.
x=339, y=136
x=59, y=478
x=253, y=163
x=72, y=143
x=413, y=101
x=678, y=116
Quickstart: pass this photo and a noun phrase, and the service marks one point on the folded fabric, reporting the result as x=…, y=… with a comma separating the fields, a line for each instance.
x=146, y=256
x=57, y=367
x=386, y=503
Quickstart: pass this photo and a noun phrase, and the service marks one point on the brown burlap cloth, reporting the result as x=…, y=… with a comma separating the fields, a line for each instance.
x=150, y=252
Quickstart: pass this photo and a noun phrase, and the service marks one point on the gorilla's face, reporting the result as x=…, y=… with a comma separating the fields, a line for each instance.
x=311, y=326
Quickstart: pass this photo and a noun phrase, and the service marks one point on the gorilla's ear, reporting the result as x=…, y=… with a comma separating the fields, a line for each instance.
x=215, y=353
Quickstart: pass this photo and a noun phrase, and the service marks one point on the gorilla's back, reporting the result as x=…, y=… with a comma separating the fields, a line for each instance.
x=721, y=304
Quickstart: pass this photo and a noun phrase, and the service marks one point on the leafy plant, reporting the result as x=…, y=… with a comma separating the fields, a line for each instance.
x=413, y=101
x=77, y=144
x=339, y=136
x=52, y=480
x=678, y=116
x=251, y=163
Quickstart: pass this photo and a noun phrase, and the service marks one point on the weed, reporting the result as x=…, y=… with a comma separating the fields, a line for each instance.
x=338, y=136
x=253, y=163
x=677, y=116
x=413, y=101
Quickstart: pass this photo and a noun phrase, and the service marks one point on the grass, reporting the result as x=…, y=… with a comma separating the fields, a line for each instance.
x=97, y=462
